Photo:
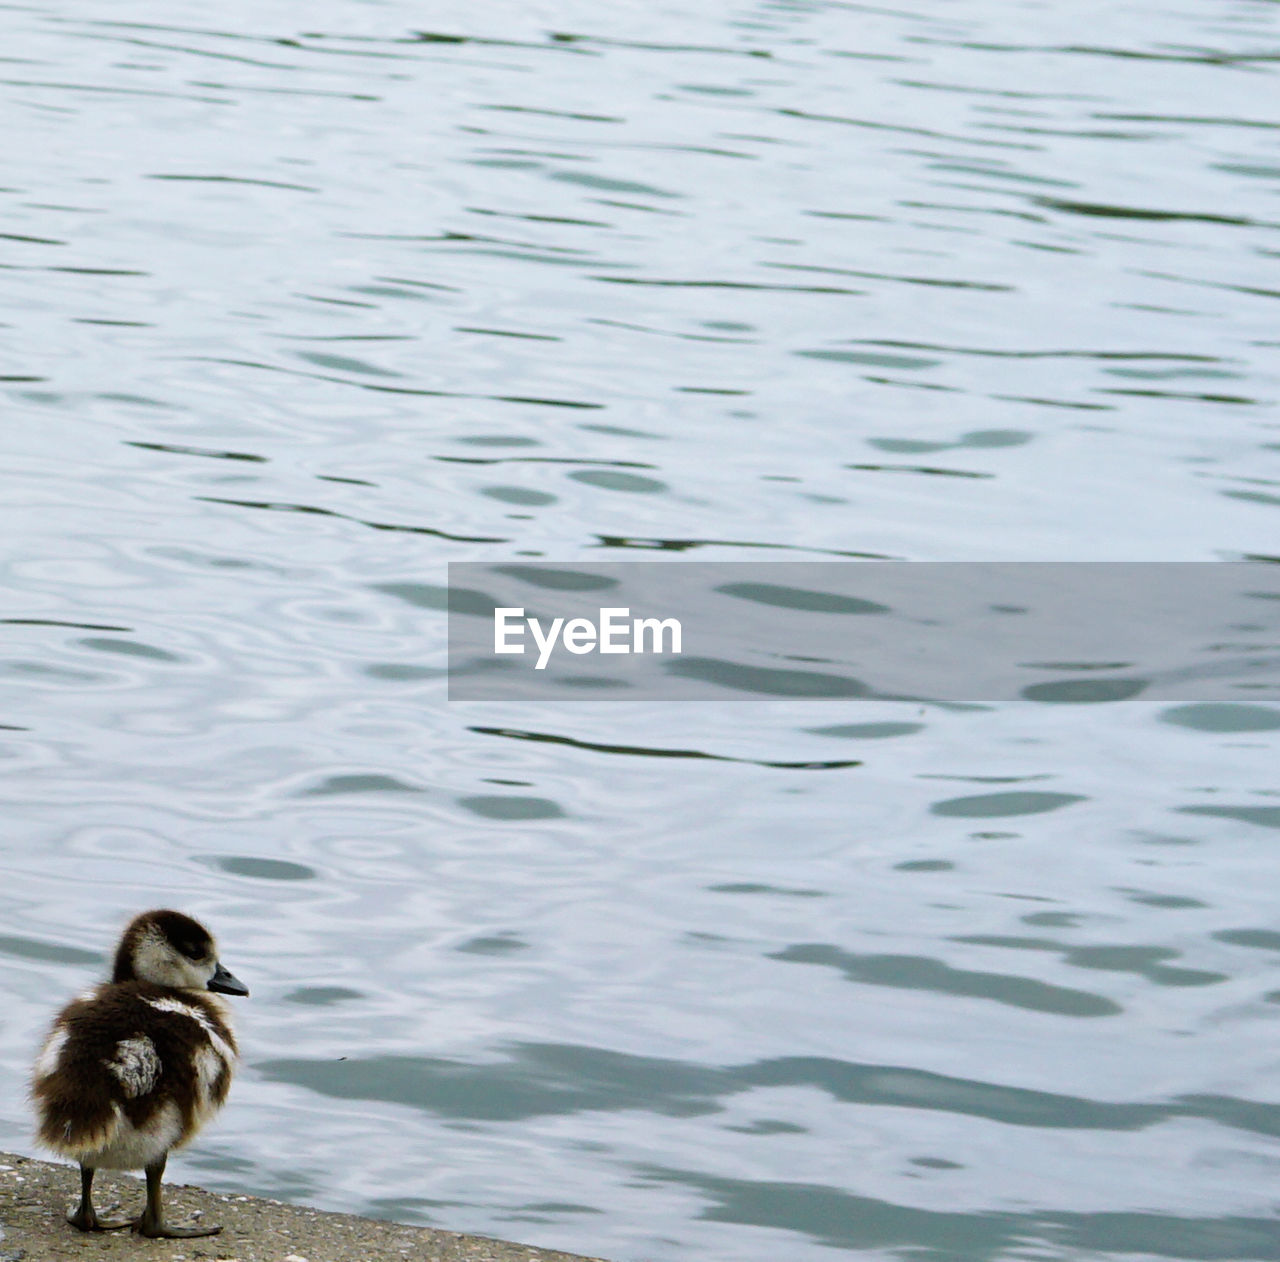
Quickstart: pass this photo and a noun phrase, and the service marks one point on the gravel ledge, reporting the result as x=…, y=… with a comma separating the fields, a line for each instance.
x=36, y=1195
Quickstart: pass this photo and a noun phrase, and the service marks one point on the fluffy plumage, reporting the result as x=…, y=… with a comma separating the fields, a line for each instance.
x=137, y=1066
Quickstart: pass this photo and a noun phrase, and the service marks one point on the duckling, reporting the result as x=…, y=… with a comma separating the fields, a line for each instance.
x=138, y=1065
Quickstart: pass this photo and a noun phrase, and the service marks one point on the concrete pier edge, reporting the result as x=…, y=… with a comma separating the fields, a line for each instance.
x=36, y=1195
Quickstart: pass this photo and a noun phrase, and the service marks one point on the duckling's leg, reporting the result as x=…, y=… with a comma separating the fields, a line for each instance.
x=86, y=1217
x=152, y=1221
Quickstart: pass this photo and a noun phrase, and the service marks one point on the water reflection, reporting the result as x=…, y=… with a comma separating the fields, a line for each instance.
x=304, y=303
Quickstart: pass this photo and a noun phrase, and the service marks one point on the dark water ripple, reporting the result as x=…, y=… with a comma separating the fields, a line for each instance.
x=548, y=738
x=840, y=1221
x=556, y=1079
x=918, y=973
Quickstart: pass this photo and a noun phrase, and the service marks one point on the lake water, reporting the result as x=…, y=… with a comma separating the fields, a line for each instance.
x=302, y=303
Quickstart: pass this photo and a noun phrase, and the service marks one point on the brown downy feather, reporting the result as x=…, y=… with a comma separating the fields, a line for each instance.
x=79, y=1095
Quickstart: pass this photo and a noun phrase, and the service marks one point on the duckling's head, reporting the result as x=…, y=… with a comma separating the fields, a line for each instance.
x=170, y=949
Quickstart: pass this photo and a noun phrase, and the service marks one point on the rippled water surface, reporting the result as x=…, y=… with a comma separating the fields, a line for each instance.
x=301, y=303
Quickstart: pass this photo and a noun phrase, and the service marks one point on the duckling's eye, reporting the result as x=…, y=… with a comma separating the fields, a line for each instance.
x=194, y=951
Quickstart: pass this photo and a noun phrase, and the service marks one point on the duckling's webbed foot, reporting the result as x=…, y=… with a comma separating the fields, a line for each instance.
x=152, y=1223
x=86, y=1217
x=89, y=1221
x=162, y=1230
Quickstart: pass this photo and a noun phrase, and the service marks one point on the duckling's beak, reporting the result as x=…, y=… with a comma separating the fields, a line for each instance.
x=226, y=983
